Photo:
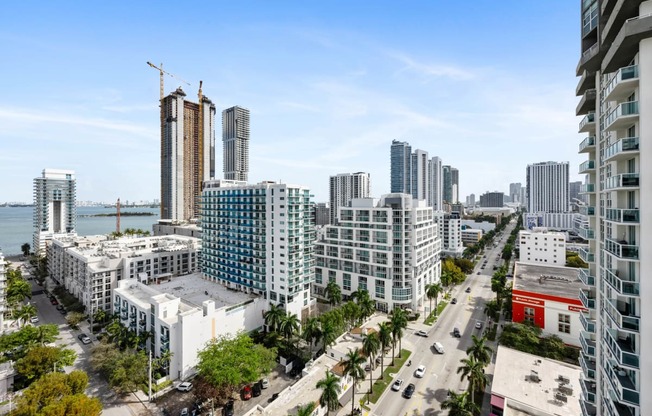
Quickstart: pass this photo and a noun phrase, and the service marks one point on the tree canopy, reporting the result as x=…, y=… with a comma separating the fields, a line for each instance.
x=125, y=370
x=40, y=360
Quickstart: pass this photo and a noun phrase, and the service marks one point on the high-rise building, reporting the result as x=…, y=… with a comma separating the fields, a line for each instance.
x=235, y=137
x=447, y=181
x=547, y=187
x=492, y=200
x=515, y=192
x=436, y=184
x=455, y=186
x=470, y=200
x=55, y=211
x=615, y=66
x=258, y=238
x=523, y=197
x=574, y=194
x=420, y=175
x=450, y=231
x=400, y=161
x=346, y=186
x=390, y=248
x=322, y=213
x=187, y=154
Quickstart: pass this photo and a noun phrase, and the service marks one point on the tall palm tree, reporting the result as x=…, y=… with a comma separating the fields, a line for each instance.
x=18, y=290
x=274, y=316
x=353, y=368
x=328, y=335
x=351, y=312
x=99, y=316
x=306, y=410
x=385, y=338
x=312, y=332
x=479, y=350
x=359, y=294
x=398, y=322
x=330, y=391
x=24, y=313
x=370, y=346
x=164, y=361
x=333, y=293
x=289, y=325
x=459, y=404
x=474, y=372
x=367, y=306
x=433, y=291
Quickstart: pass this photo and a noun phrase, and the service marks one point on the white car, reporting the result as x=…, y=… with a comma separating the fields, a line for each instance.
x=185, y=386
x=264, y=383
x=478, y=325
x=438, y=347
x=33, y=319
x=396, y=386
x=422, y=333
x=421, y=370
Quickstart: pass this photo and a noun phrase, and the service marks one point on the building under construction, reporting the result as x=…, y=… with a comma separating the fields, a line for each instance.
x=187, y=153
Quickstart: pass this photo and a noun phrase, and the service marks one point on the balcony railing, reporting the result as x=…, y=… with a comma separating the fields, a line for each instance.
x=622, y=147
x=623, y=287
x=588, y=345
x=588, y=367
x=621, y=249
x=616, y=84
x=586, y=143
x=586, y=255
x=587, y=323
x=623, y=113
x=587, y=166
x=588, y=409
x=586, y=278
x=629, y=216
x=624, y=386
x=587, y=188
x=587, y=299
x=587, y=210
x=587, y=123
x=622, y=318
x=622, y=350
x=586, y=233
x=624, y=180
x=588, y=390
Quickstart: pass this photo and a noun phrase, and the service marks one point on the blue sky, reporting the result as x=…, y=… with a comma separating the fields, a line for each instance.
x=488, y=86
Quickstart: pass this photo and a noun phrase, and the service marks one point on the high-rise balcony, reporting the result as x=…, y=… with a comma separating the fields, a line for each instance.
x=621, y=249
x=623, y=84
x=587, y=188
x=624, y=148
x=624, y=115
x=588, y=367
x=587, y=322
x=622, y=286
x=588, y=390
x=587, y=81
x=590, y=60
x=587, y=166
x=621, y=315
x=623, y=385
x=588, y=409
x=624, y=47
x=587, y=125
x=587, y=102
x=586, y=233
x=624, y=181
x=587, y=145
x=622, y=349
x=586, y=255
x=587, y=299
x=587, y=210
x=624, y=216
x=588, y=345
x=586, y=277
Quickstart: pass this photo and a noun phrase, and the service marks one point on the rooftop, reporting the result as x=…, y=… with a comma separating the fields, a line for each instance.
x=551, y=280
x=535, y=385
x=194, y=289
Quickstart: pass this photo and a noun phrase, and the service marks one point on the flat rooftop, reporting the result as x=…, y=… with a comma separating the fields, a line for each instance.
x=194, y=289
x=530, y=384
x=551, y=280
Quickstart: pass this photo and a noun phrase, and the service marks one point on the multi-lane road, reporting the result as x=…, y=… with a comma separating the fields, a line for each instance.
x=441, y=369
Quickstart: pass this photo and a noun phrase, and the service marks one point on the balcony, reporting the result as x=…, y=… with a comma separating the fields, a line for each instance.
x=588, y=409
x=624, y=115
x=586, y=233
x=621, y=249
x=622, y=316
x=587, y=210
x=625, y=44
x=587, y=166
x=624, y=148
x=587, y=299
x=621, y=349
x=587, y=125
x=586, y=278
x=587, y=103
x=588, y=144
x=623, y=216
x=586, y=255
x=589, y=61
x=587, y=188
x=623, y=287
x=623, y=181
x=586, y=82
x=587, y=323
x=588, y=345
x=588, y=367
x=165, y=339
x=621, y=86
x=623, y=385
x=588, y=390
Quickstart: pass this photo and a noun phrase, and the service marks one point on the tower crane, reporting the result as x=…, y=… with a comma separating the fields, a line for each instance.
x=161, y=72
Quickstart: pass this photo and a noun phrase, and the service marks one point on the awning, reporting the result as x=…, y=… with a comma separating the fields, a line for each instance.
x=346, y=397
x=498, y=401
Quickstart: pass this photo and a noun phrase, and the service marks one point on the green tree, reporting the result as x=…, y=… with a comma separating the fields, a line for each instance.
x=353, y=368
x=456, y=274
x=459, y=404
x=25, y=249
x=228, y=363
x=74, y=318
x=465, y=265
x=307, y=409
x=289, y=325
x=351, y=312
x=25, y=313
x=473, y=371
x=58, y=394
x=367, y=306
x=18, y=290
x=370, y=346
x=273, y=317
x=328, y=335
x=575, y=261
x=492, y=309
x=333, y=294
x=479, y=350
x=40, y=360
x=432, y=292
x=398, y=322
x=312, y=332
x=28, y=336
x=125, y=371
x=331, y=388
x=385, y=338
x=100, y=316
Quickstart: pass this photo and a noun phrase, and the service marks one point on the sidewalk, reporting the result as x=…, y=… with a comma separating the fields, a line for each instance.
x=489, y=371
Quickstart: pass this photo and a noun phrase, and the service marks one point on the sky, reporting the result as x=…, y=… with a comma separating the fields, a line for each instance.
x=488, y=86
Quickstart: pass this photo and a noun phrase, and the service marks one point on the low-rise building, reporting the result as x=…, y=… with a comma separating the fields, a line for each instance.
x=525, y=384
x=172, y=227
x=183, y=314
x=471, y=237
x=540, y=246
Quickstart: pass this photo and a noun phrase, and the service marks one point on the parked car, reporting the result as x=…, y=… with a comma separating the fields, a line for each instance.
x=468, y=289
x=54, y=301
x=256, y=389
x=420, y=371
x=227, y=410
x=421, y=333
x=454, y=301
x=246, y=392
x=456, y=332
x=409, y=390
x=478, y=325
x=59, y=307
x=274, y=397
x=185, y=386
x=396, y=386
x=438, y=347
x=33, y=319
x=478, y=273
x=264, y=383
x=63, y=311
x=85, y=339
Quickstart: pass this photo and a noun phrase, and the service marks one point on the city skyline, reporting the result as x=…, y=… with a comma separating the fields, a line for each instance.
x=472, y=99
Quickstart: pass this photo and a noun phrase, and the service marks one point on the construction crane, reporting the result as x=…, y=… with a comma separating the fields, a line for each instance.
x=161, y=72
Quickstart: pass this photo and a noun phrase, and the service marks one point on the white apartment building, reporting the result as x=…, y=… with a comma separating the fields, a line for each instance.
x=258, y=238
x=471, y=237
x=540, y=246
x=390, y=248
x=548, y=187
x=562, y=221
x=183, y=314
x=90, y=267
x=436, y=175
x=614, y=68
x=55, y=210
x=346, y=186
x=450, y=231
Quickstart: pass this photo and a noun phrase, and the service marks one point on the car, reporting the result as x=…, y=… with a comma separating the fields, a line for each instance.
x=264, y=383
x=438, y=347
x=457, y=333
x=227, y=410
x=420, y=371
x=256, y=389
x=33, y=319
x=478, y=325
x=185, y=386
x=63, y=311
x=396, y=385
x=60, y=307
x=367, y=367
x=454, y=301
x=184, y=412
x=421, y=333
x=468, y=289
x=274, y=397
x=409, y=390
x=482, y=267
x=54, y=301
x=84, y=339
x=478, y=273
x=246, y=392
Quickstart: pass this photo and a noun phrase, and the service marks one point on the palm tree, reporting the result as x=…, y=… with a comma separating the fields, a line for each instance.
x=312, y=332
x=274, y=316
x=351, y=312
x=164, y=361
x=306, y=410
x=479, y=350
x=289, y=325
x=24, y=313
x=328, y=335
x=353, y=368
x=398, y=322
x=99, y=316
x=459, y=404
x=333, y=293
x=18, y=290
x=367, y=306
x=385, y=338
x=433, y=291
x=474, y=372
x=370, y=346
x=330, y=391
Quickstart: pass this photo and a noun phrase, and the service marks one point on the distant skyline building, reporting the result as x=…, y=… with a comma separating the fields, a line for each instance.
x=420, y=177
x=435, y=174
x=470, y=200
x=187, y=153
x=574, y=194
x=492, y=200
x=415, y=173
x=455, y=185
x=447, y=192
x=322, y=213
x=344, y=187
x=401, y=154
x=55, y=208
x=235, y=139
x=515, y=192
x=547, y=187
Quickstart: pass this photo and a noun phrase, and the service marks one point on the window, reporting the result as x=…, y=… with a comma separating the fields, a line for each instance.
x=346, y=281
x=564, y=323
x=529, y=315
